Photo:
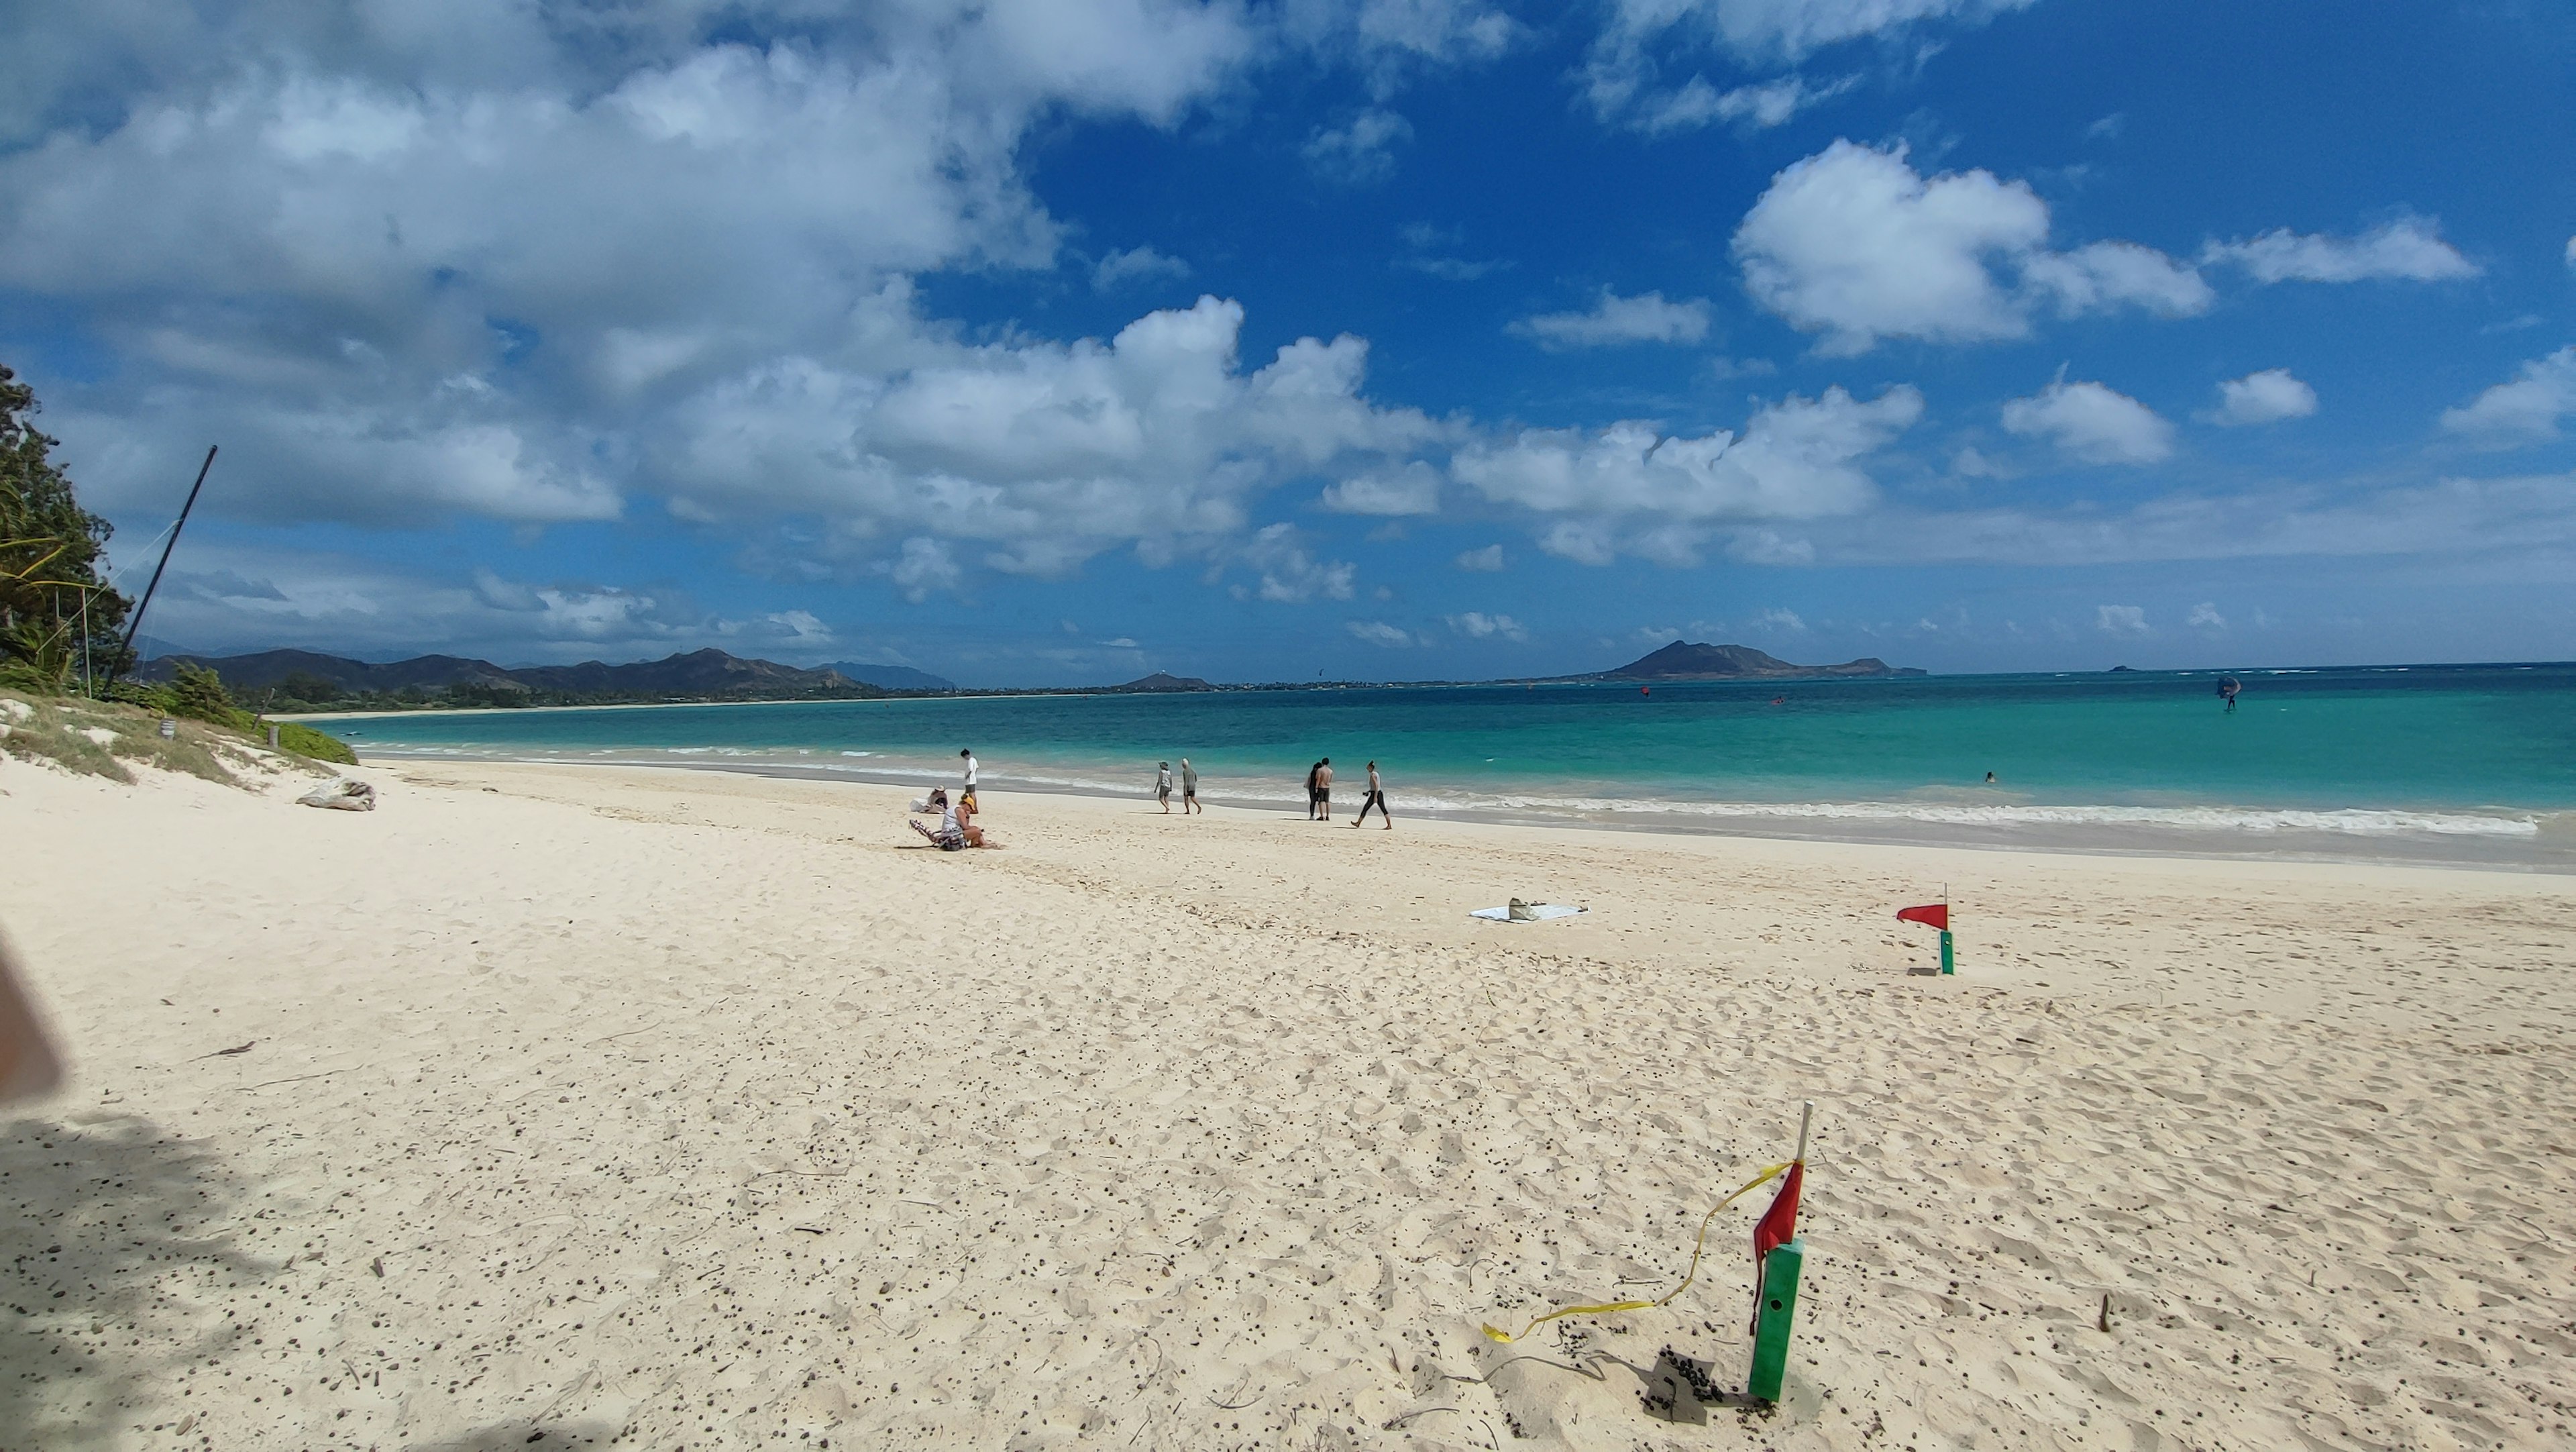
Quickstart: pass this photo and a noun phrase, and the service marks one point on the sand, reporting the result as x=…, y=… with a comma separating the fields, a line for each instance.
x=564, y=1106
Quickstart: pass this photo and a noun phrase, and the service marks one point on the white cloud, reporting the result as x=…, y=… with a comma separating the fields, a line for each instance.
x=1360, y=152
x=1135, y=264
x=1488, y=560
x=2101, y=276
x=1631, y=489
x=1378, y=632
x=925, y=566
x=496, y=252
x=222, y=596
x=1480, y=626
x=1854, y=244
x=1047, y=452
x=1412, y=488
x=1761, y=106
x=2410, y=249
x=2205, y=616
x=1779, y=621
x=1288, y=573
x=2120, y=619
x=2571, y=252
x=2525, y=410
x=2263, y=397
x=1614, y=320
x=2092, y=423
x=1642, y=38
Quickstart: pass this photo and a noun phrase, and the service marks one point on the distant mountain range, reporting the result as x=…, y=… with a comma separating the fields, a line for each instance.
x=1689, y=661
x=702, y=674
x=714, y=675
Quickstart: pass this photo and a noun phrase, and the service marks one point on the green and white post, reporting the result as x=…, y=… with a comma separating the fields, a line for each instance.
x=1949, y=964
x=1771, y=1322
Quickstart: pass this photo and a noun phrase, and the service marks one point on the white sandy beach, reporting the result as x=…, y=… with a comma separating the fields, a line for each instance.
x=558, y=1106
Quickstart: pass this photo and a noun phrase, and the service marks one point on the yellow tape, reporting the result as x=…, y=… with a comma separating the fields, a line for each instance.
x=1701, y=1245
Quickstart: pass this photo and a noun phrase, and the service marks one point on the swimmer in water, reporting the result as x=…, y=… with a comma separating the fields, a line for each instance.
x=1990, y=778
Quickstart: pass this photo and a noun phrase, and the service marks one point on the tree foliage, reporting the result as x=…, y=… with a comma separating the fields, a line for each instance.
x=50, y=553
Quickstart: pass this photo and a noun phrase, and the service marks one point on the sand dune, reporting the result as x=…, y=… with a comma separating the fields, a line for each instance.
x=692, y=1110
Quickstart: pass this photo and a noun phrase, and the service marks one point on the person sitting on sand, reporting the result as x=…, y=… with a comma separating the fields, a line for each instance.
x=955, y=831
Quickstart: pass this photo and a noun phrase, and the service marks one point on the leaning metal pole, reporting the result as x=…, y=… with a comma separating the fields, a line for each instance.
x=116, y=667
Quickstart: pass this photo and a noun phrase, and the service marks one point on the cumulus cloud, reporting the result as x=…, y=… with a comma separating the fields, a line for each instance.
x=1412, y=488
x=924, y=567
x=1479, y=626
x=2525, y=410
x=2205, y=616
x=2410, y=249
x=1630, y=488
x=2092, y=423
x=1288, y=573
x=1048, y=453
x=1135, y=264
x=1780, y=620
x=1614, y=320
x=1378, y=632
x=475, y=268
x=1361, y=151
x=1854, y=244
x=2571, y=252
x=1488, y=560
x=2263, y=397
x=2120, y=619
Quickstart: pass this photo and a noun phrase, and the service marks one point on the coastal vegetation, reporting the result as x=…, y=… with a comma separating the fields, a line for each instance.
x=58, y=617
x=60, y=651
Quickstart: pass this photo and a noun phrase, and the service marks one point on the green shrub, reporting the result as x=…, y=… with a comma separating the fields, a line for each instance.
x=199, y=694
x=303, y=740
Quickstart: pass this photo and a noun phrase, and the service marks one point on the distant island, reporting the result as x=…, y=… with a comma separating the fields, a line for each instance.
x=1164, y=681
x=1690, y=661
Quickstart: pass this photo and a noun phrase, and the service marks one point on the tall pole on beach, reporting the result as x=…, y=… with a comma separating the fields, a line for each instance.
x=136, y=624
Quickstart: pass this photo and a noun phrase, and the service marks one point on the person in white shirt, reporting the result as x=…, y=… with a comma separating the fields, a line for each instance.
x=1163, y=785
x=968, y=796
x=1189, y=788
x=1375, y=798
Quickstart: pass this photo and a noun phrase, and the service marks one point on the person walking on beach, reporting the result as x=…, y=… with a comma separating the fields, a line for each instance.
x=1189, y=788
x=967, y=797
x=1324, y=790
x=1375, y=798
x=1310, y=789
x=1163, y=785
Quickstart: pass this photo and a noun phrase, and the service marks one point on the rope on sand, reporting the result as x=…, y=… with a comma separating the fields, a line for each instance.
x=1697, y=1248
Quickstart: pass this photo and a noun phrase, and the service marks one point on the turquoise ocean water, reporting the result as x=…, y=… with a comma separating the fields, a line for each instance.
x=2434, y=763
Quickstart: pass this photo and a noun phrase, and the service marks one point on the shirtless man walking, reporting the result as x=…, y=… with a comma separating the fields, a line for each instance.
x=1324, y=790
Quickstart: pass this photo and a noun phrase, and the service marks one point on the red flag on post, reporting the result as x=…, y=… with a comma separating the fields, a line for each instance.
x=1930, y=915
x=1779, y=1224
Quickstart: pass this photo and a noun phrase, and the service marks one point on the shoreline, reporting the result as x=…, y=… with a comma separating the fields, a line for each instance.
x=2539, y=853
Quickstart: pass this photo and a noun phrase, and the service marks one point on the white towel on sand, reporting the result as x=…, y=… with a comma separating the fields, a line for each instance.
x=1530, y=912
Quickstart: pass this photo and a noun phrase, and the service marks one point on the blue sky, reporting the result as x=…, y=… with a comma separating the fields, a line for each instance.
x=1056, y=341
